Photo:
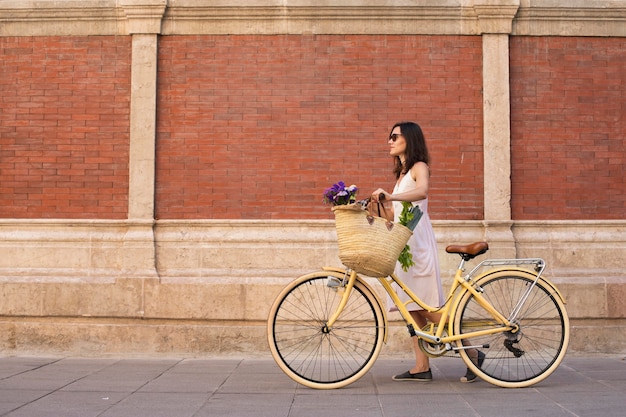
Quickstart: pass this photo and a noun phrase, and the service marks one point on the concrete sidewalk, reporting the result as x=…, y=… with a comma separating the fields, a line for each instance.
x=67, y=387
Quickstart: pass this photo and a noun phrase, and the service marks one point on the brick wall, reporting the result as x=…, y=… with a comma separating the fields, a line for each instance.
x=64, y=127
x=568, y=127
x=259, y=126
x=247, y=130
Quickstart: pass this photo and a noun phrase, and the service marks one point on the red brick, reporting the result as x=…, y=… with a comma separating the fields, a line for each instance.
x=287, y=122
x=561, y=131
x=246, y=130
x=57, y=93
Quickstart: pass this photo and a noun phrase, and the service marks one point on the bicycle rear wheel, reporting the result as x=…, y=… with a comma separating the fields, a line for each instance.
x=313, y=355
x=519, y=358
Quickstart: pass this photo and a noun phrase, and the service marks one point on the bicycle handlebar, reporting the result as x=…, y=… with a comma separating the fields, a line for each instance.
x=367, y=200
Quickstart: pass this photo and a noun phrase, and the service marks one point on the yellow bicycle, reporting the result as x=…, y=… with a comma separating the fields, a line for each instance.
x=326, y=329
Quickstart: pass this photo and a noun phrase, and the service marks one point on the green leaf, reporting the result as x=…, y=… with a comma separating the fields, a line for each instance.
x=406, y=258
x=410, y=215
x=406, y=216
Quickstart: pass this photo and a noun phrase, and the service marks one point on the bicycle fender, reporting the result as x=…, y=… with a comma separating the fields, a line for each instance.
x=340, y=273
x=554, y=288
x=543, y=280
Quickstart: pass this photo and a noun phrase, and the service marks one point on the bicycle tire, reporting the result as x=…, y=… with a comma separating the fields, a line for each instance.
x=307, y=352
x=528, y=356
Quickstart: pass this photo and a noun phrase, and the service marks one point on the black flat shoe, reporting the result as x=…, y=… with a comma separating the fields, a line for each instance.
x=420, y=376
x=471, y=376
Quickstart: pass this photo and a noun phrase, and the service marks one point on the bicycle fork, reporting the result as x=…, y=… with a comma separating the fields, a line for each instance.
x=347, y=290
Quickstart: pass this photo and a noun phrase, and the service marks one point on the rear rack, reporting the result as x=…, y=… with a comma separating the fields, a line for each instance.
x=540, y=266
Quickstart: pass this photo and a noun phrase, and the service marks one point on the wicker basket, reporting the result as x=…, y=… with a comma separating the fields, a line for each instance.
x=368, y=244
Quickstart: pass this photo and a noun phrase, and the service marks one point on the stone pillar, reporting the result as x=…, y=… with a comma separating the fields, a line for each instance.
x=143, y=22
x=142, y=127
x=495, y=22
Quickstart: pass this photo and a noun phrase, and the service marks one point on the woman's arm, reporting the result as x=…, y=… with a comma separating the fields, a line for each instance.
x=420, y=173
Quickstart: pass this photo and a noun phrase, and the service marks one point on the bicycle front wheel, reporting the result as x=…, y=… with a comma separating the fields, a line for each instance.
x=309, y=352
x=523, y=356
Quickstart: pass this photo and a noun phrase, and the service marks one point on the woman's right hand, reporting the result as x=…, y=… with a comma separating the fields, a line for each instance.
x=380, y=195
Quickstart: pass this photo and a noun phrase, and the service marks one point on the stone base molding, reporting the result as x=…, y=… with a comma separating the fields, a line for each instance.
x=205, y=287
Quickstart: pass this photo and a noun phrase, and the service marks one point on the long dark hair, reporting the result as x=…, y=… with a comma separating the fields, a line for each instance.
x=416, y=149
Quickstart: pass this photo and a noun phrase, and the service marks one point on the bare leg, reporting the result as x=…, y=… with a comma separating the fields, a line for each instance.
x=422, y=318
x=472, y=353
x=421, y=370
x=422, y=363
x=476, y=357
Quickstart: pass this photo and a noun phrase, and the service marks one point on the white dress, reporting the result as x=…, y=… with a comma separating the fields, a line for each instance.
x=423, y=278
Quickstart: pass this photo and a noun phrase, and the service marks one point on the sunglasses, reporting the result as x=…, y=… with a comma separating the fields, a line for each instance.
x=394, y=136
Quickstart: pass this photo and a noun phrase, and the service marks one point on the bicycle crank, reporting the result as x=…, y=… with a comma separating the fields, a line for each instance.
x=483, y=346
x=430, y=348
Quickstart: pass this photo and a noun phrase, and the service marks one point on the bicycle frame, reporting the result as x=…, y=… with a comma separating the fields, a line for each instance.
x=460, y=285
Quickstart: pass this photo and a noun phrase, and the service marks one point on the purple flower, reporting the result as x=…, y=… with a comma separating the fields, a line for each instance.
x=339, y=194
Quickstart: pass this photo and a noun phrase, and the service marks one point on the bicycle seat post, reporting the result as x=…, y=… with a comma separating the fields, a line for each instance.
x=461, y=266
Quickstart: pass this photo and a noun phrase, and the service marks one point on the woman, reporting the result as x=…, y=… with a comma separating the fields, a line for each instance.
x=408, y=148
x=410, y=153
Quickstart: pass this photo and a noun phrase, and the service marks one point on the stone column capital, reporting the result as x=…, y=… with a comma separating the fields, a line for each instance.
x=143, y=16
x=496, y=16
